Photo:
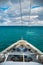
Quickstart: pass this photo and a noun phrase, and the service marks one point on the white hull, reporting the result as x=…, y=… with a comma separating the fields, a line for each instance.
x=22, y=51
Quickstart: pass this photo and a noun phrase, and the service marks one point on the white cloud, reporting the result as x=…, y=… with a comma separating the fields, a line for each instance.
x=37, y=10
x=17, y=21
x=14, y=10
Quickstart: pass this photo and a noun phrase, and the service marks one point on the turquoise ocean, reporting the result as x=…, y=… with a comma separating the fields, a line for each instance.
x=11, y=34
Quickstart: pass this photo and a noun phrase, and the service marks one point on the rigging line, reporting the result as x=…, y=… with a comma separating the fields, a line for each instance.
x=20, y=10
x=29, y=12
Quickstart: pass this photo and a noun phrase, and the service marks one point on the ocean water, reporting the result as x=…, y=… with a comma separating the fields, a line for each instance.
x=11, y=34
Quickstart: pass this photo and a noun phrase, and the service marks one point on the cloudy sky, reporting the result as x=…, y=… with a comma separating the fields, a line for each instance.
x=31, y=11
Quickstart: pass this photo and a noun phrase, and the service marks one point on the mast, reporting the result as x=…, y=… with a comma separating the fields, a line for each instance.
x=29, y=12
x=20, y=10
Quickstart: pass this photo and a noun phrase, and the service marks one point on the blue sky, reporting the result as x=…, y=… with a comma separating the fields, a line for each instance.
x=10, y=13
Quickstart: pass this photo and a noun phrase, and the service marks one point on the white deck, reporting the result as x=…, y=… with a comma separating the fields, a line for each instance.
x=24, y=42
x=22, y=45
x=20, y=63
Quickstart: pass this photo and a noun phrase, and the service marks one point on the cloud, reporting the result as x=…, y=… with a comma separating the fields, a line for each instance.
x=37, y=10
x=17, y=21
x=10, y=13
